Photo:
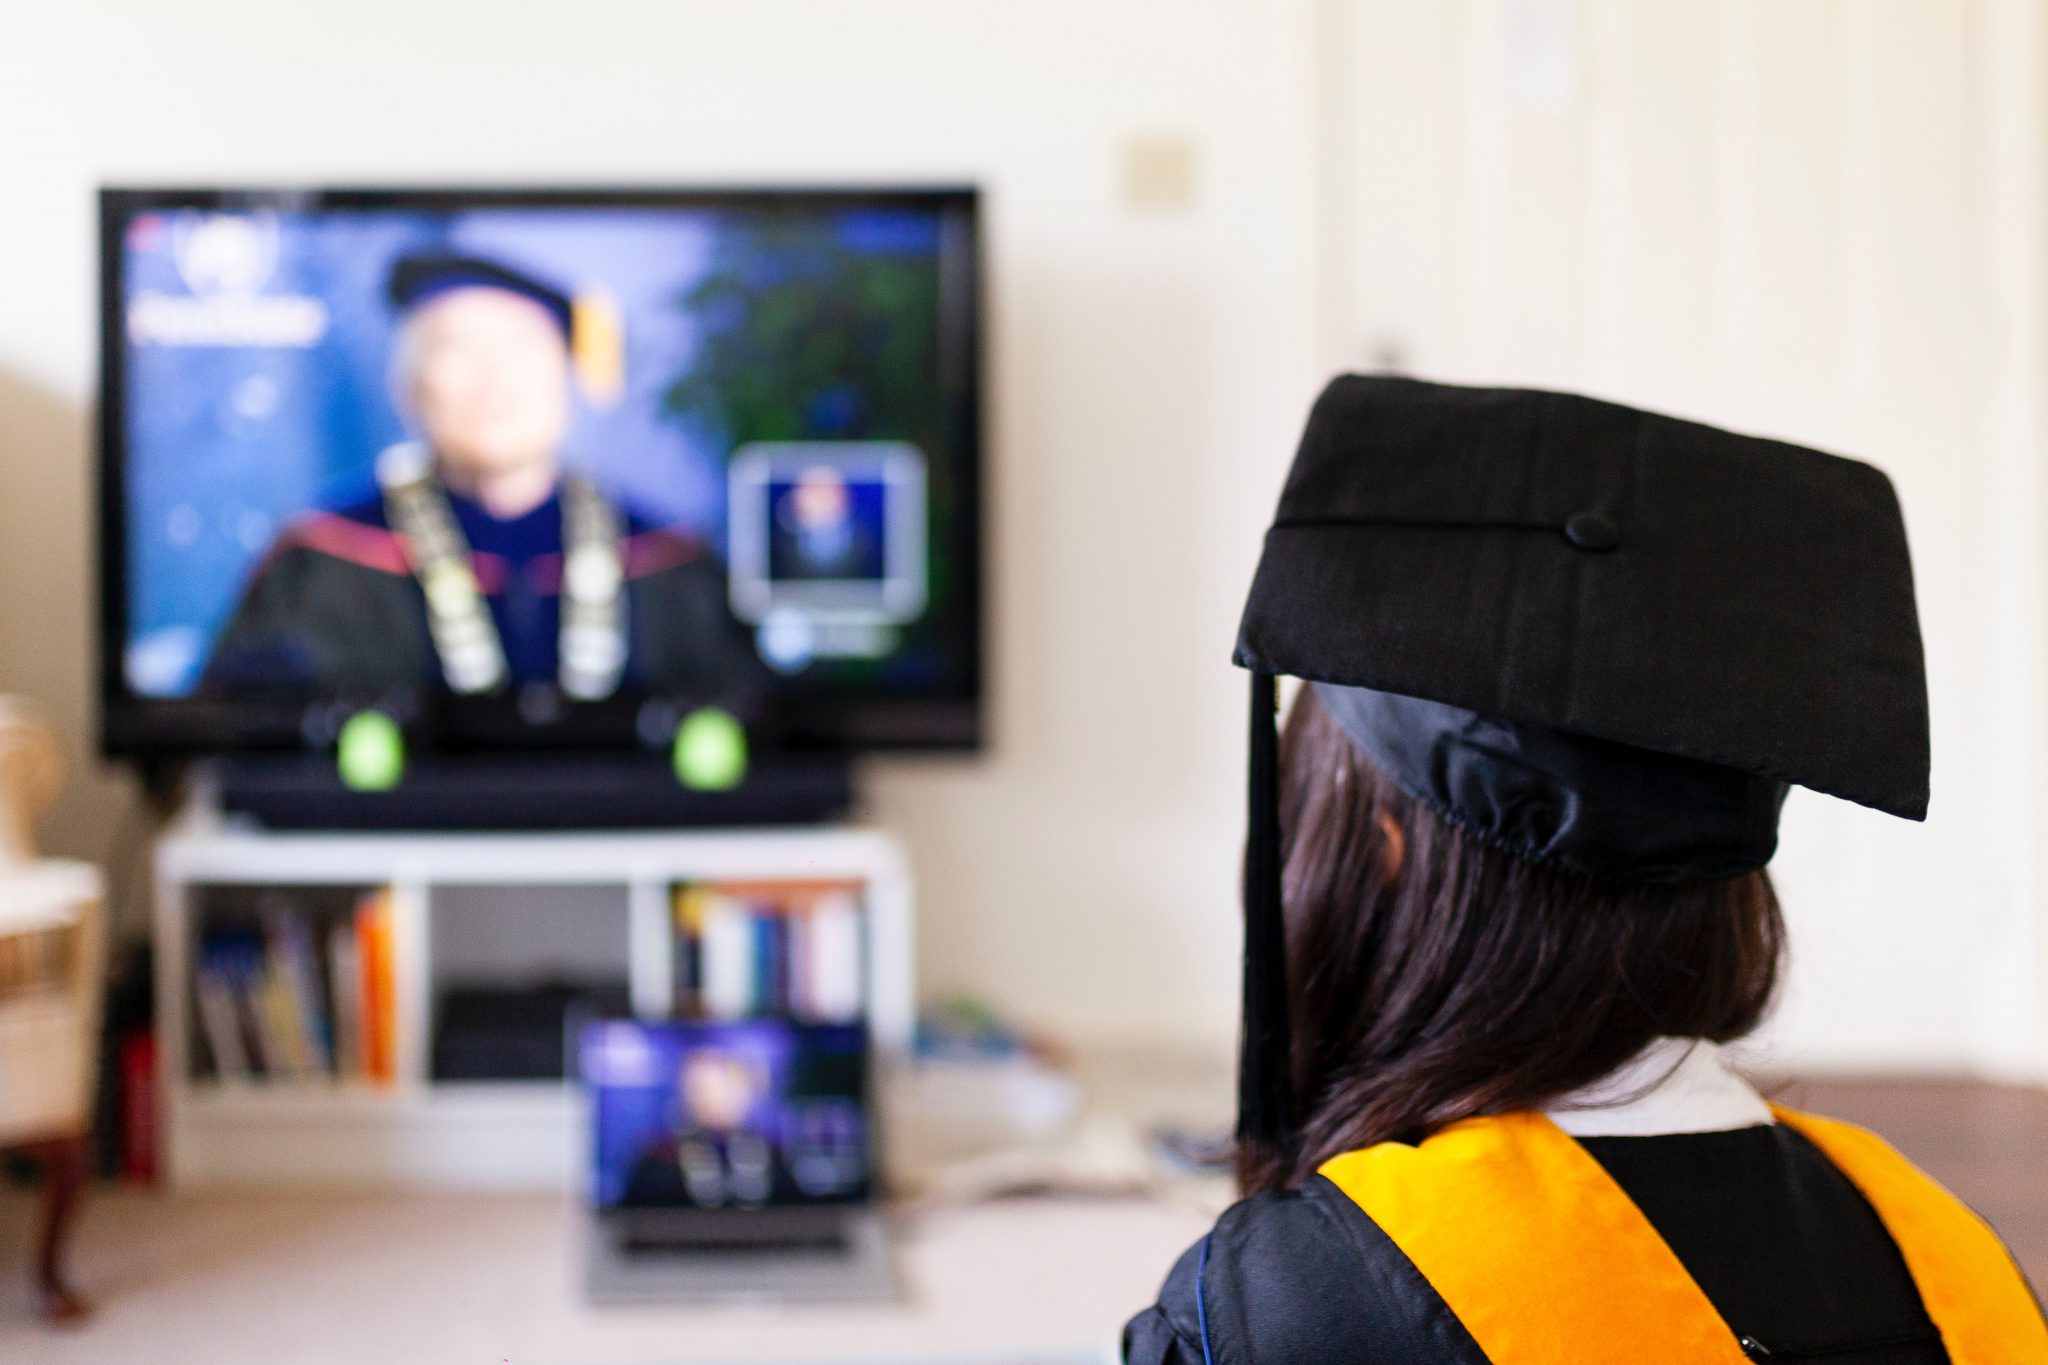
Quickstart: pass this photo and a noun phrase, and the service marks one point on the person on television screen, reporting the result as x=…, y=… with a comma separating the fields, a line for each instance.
x=821, y=532
x=712, y=1157
x=478, y=562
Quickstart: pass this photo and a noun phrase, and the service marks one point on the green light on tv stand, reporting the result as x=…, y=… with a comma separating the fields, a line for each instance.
x=710, y=753
x=370, y=752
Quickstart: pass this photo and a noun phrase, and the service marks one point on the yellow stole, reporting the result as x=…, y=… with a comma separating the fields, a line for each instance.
x=1545, y=1260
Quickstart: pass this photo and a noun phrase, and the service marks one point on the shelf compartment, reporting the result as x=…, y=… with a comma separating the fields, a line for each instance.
x=291, y=984
x=512, y=965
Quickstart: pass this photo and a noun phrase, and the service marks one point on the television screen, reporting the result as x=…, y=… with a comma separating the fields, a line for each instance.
x=539, y=467
x=730, y=1115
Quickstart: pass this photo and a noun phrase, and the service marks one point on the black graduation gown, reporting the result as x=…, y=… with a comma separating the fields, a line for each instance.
x=1788, y=1251
x=334, y=609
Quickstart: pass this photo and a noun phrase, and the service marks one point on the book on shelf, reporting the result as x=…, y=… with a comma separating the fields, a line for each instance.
x=281, y=1022
x=345, y=998
x=792, y=949
x=378, y=1026
x=302, y=1009
x=301, y=995
x=221, y=1025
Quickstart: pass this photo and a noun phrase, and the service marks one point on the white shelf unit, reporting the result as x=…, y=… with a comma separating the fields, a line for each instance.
x=417, y=1132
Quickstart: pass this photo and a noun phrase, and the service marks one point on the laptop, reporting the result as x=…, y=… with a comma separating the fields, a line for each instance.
x=731, y=1160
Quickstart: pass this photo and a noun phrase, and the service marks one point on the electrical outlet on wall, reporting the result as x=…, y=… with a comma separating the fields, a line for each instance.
x=1159, y=172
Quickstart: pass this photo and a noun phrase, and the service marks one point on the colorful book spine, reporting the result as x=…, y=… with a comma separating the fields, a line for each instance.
x=793, y=950
x=254, y=998
x=221, y=1023
x=771, y=960
x=300, y=1001
x=380, y=1030
x=232, y=975
x=279, y=1004
x=345, y=988
x=687, y=908
x=728, y=945
x=797, y=997
x=833, y=991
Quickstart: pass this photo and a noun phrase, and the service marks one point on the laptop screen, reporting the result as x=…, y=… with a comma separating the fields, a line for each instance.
x=739, y=1114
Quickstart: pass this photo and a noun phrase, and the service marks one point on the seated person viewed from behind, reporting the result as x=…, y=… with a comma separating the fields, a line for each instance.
x=478, y=560
x=1505, y=895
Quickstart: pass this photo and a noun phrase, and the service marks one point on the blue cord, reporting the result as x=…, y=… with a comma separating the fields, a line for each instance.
x=1201, y=1306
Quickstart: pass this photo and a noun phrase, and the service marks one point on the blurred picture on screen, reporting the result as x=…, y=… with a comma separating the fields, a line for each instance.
x=604, y=450
x=729, y=1115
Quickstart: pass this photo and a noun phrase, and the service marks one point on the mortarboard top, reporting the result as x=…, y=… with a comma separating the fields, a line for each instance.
x=422, y=275
x=1570, y=563
x=1595, y=636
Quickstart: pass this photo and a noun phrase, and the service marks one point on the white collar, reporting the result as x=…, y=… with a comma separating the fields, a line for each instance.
x=1675, y=1085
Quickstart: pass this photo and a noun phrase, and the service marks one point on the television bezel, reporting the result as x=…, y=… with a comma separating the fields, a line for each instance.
x=147, y=728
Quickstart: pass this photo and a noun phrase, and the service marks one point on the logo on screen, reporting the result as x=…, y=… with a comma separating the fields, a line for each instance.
x=225, y=253
x=225, y=260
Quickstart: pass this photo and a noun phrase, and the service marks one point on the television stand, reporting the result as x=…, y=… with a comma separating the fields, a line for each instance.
x=384, y=1097
x=529, y=792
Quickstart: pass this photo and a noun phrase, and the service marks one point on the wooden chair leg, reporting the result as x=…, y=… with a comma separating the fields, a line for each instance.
x=64, y=1163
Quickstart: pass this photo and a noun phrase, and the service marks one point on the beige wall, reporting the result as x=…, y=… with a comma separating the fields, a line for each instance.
x=1815, y=218
x=1146, y=369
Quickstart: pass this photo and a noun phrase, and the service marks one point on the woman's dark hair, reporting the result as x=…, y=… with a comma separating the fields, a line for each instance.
x=1433, y=978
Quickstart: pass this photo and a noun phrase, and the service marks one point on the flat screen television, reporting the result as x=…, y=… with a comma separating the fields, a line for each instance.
x=539, y=469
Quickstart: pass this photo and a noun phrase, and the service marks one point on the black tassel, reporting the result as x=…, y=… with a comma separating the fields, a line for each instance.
x=1265, y=1100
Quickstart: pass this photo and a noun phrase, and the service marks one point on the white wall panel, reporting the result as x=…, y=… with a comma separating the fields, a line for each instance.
x=1147, y=370
x=1778, y=215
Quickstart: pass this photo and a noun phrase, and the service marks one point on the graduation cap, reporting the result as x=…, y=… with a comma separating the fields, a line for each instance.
x=421, y=276
x=1596, y=638
x=589, y=322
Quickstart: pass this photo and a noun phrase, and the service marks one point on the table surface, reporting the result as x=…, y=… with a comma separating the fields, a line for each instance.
x=314, y=1279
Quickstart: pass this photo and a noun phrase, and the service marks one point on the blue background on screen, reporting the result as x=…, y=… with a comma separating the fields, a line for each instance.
x=630, y=1070
x=228, y=443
